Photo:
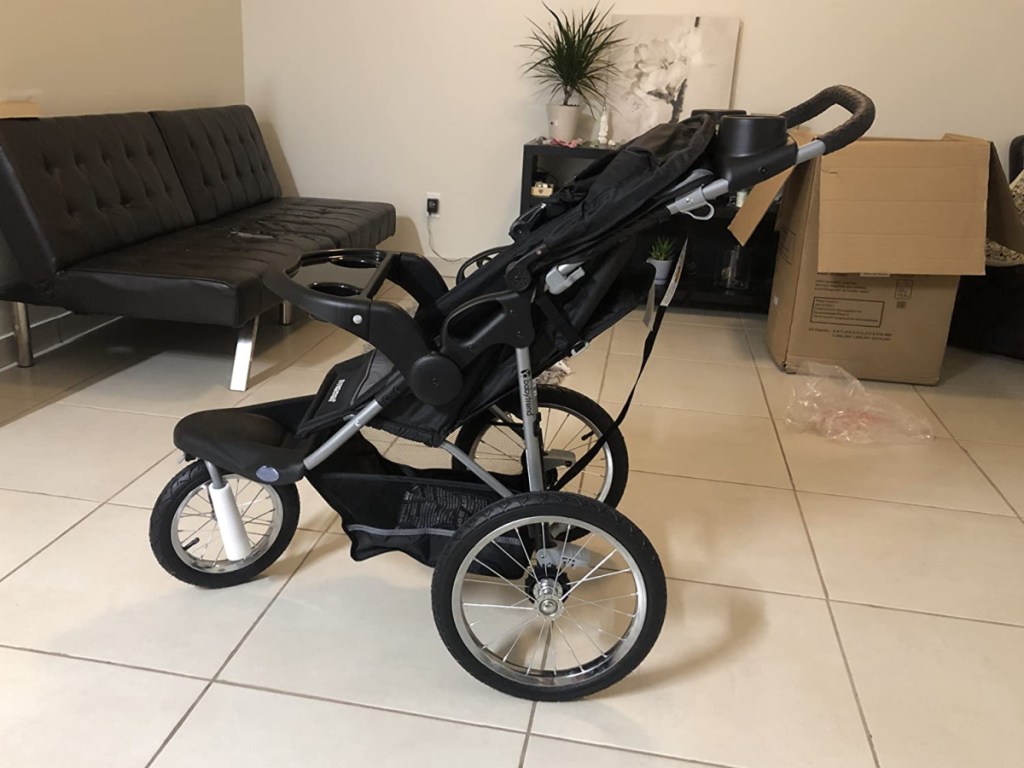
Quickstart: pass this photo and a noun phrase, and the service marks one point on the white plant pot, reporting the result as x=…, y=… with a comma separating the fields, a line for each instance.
x=562, y=121
x=662, y=270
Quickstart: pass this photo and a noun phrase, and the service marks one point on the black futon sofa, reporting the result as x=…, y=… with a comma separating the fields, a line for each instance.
x=159, y=215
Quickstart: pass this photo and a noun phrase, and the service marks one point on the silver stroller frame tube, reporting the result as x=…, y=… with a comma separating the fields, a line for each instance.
x=531, y=431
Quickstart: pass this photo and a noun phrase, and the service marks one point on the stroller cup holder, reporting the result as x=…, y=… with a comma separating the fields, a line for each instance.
x=313, y=285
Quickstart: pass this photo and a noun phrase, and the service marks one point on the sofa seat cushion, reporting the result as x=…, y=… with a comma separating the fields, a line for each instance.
x=212, y=273
x=345, y=223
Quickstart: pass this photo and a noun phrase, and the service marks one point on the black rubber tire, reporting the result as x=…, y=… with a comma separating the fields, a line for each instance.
x=559, y=398
x=586, y=510
x=161, y=530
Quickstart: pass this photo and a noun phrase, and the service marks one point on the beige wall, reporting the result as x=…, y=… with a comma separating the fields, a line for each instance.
x=391, y=99
x=117, y=55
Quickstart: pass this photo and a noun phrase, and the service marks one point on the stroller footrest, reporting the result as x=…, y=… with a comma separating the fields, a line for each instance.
x=244, y=443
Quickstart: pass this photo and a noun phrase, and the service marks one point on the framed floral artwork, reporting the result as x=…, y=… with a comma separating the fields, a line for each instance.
x=668, y=66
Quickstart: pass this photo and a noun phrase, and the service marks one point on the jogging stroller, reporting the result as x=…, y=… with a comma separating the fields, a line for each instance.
x=541, y=589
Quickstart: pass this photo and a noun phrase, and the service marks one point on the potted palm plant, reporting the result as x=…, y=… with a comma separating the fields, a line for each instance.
x=573, y=58
x=662, y=252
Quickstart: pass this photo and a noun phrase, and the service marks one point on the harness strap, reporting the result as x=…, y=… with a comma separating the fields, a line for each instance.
x=597, y=447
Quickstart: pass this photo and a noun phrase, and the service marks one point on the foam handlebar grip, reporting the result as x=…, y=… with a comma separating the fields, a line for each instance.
x=860, y=107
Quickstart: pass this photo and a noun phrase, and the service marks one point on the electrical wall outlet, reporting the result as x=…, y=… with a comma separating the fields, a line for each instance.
x=433, y=204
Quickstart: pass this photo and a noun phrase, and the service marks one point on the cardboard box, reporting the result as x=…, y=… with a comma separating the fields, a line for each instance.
x=18, y=109
x=872, y=241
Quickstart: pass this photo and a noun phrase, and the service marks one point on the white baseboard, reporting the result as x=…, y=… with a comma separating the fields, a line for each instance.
x=50, y=333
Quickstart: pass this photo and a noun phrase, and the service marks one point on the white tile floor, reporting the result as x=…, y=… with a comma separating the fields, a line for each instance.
x=828, y=605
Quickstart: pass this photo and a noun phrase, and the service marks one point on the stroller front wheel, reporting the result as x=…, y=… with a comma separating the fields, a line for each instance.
x=549, y=596
x=185, y=537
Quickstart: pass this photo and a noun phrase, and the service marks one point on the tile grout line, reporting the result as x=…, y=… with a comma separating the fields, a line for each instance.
x=632, y=751
x=526, y=738
x=363, y=705
x=104, y=662
x=231, y=655
x=824, y=588
x=759, y=590
x=835, y=624
x=934, y=615
x=974, y=461
x=820, y=493
x=85, y=517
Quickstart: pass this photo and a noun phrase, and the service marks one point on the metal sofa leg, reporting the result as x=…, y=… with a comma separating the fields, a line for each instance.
x=286, y=313
x=22, y=334
x=243, y=355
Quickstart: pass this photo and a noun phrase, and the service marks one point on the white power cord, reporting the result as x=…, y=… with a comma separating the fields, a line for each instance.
x=430, y=242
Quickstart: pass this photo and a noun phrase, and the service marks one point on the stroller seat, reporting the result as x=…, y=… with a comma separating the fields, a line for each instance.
x=268, y=442
x=258, y=443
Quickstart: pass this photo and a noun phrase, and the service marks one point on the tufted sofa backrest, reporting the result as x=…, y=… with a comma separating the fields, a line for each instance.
x=221, y=159
x=76, y=187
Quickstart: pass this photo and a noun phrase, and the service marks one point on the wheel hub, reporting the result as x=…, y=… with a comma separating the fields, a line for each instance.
x=547, y=595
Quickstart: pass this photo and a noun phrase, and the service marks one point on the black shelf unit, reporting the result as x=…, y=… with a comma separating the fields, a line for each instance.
x=708, y=240
x=560, y=163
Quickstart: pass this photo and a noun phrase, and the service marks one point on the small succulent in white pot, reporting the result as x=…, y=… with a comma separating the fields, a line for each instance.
x=662, y=257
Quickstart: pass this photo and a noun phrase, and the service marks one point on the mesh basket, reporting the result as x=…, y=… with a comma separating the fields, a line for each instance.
x=388, y=507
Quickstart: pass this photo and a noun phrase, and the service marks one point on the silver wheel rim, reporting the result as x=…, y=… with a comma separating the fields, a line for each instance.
x=573, y=639
x=499, y=448
x=195, y=534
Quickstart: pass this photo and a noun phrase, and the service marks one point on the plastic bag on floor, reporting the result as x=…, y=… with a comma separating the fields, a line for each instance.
x=554, y=375
x=829, y=401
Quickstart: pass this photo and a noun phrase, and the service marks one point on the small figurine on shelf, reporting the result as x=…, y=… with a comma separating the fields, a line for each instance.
x=602, y=128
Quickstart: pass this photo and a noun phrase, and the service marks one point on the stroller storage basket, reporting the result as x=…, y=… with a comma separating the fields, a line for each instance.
x=415, y=511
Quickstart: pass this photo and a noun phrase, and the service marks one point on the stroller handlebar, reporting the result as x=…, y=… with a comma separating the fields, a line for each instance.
x=753, y=148
x=860, y=107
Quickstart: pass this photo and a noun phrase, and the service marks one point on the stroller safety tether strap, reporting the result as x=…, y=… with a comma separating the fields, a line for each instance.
x=652, y=337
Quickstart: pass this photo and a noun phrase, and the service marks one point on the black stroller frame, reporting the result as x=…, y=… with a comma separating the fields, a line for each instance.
x=491, y=536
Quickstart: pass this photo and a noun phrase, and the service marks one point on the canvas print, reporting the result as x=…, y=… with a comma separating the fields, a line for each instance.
x=668, y=66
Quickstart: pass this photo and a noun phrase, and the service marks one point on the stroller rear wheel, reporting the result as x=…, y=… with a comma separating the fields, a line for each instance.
x=185, y=537
x=549, y=596
x=571, y=423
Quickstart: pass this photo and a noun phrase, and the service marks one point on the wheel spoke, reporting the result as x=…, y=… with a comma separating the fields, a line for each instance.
x=606, y=608
x=551, y=440
x=526, y=552
x=514, y=607
x=491, y=583
x=569, y=646
x=514, y=586
x=562, y=569
x=604, y=654
x=515, y=642
x=551, y=647
x=510, y=557
x=197, y=530
x=592, y=579
x=591, y=571
x=593, y=626
x=544, y=656
x=505, y=634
